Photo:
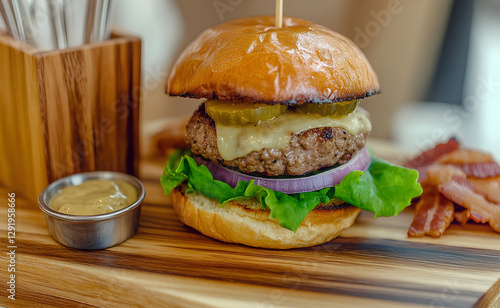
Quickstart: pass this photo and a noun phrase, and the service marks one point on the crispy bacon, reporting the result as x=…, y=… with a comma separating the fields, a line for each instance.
x=422, y=173
x=489, y=188
x=462, y=193
x=458, y=184
x=462, y=217
x=464, y=182
x=480, y=170
x=429, y=156
x=440, y=174
x=433, y=215
x=463, y=156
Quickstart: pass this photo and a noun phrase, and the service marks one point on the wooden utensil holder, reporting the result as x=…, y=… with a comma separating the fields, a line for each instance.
x=67, y=111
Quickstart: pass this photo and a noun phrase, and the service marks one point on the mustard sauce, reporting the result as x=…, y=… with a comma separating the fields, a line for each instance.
x=94, y=197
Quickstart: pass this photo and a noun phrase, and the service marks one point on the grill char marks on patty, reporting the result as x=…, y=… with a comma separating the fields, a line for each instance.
x=308, y=151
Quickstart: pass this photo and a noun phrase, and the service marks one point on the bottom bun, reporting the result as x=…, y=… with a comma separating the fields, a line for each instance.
x=247, y=223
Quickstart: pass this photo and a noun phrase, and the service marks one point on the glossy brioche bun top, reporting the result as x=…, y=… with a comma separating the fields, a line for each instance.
x=252, y=60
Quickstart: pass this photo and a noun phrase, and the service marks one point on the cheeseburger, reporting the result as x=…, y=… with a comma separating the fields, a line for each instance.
x=277, y=153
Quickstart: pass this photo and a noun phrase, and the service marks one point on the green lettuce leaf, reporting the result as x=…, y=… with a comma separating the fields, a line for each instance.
x=383, y=189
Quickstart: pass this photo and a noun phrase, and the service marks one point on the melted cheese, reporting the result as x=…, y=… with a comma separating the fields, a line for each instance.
x=238, y=141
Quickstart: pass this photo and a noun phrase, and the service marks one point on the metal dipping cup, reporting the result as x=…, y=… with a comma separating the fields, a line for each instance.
x=92, y=232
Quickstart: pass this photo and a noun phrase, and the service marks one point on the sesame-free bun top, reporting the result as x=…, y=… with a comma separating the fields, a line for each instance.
x=252, y=60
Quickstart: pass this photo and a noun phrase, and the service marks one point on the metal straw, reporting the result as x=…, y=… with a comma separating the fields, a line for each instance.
x=29, y=31
x=19, y=20
x=103, y=25
x=89, y=29
x=49, y=24
x=8, y=16
x=58, y=23
x=3, y=14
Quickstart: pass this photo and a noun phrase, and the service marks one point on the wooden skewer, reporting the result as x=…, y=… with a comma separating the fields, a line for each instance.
x=279, y=13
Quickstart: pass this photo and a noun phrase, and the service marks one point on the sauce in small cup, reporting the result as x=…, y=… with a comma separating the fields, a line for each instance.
x=101, y=228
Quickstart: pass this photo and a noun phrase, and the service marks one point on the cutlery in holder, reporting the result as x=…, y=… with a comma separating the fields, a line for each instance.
x=68, y=110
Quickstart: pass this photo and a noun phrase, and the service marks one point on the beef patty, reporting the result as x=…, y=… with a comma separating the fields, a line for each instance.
x=308, y=151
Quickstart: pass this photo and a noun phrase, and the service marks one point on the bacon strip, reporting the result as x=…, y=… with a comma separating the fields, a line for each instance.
x=439, y=174
x=422, y=173
x=481, y=210
x=480, y=170
x=429, y=156
x=462, y=217
x=433, y=215
x=490, y=188
x=459, y=184
x=463, y=156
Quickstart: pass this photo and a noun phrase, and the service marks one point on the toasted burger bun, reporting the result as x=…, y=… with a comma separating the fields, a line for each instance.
x=250, y=225
x=251, y=60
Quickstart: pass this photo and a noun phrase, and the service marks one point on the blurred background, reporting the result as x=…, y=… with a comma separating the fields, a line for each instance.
x=438, y=62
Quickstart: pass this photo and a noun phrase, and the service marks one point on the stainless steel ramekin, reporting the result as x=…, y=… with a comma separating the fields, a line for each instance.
x=96, y=231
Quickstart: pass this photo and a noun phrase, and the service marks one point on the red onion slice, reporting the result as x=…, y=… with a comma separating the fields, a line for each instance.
x=293, y=185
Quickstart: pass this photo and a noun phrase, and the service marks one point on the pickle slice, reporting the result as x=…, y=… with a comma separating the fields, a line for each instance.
x=329, y=109
x=232, y=113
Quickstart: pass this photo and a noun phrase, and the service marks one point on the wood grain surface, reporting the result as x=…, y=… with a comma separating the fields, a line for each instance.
x=20, y=121
x=166, y=264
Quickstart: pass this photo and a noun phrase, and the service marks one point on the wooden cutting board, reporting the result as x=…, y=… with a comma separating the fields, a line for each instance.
x=166, y=264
